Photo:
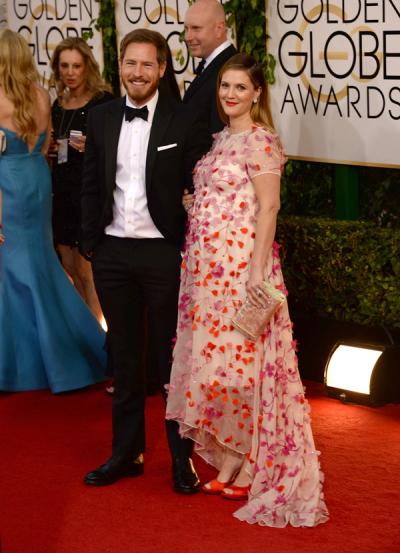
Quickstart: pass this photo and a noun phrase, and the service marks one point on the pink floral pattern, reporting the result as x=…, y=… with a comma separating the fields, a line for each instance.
x=225, y=390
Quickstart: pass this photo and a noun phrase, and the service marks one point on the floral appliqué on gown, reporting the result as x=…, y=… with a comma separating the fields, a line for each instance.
x=225, y=390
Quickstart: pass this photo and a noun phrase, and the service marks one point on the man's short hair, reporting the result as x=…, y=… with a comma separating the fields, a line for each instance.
x=146, y=36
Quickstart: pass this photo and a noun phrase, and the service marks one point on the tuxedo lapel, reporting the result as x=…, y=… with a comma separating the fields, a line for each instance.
x=162, y=116
x=113, y=125
x=197, y=82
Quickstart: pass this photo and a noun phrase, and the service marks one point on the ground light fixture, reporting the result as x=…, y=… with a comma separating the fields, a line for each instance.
x=363, y=373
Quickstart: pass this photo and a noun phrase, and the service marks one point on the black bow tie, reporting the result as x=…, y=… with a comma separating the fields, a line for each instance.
x=200, y=67
x=131, y=113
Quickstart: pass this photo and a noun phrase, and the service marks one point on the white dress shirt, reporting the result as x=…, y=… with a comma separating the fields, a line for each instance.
x=131, y=217
x=216, y=52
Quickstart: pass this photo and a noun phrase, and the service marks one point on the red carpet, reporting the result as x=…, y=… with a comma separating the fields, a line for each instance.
x=49, y=442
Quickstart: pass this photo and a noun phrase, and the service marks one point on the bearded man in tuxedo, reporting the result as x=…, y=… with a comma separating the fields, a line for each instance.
x=140, y=153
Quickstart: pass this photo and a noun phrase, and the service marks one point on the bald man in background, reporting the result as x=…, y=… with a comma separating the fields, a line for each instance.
x=206, y=38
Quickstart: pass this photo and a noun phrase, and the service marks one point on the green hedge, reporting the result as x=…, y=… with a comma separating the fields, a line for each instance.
x=348, y=270
x=308, y=189
x=106, y=24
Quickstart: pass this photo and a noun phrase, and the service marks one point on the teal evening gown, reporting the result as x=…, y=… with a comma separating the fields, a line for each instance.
x=48, y=337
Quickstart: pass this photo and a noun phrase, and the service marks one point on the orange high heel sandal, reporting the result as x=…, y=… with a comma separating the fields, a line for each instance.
x=239, y=493
x=214, y=487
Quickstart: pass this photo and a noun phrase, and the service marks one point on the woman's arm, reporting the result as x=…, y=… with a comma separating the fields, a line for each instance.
x=267, y=189
x=44, y=115
x=49, y=126
x=1, y=225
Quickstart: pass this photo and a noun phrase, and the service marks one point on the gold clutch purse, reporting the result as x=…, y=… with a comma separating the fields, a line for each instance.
x=251, y=320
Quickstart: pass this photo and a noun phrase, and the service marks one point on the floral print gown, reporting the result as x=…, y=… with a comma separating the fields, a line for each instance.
x=227, y=391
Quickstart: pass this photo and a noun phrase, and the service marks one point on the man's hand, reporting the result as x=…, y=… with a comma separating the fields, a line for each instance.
x=86, y=254
x=187, y=200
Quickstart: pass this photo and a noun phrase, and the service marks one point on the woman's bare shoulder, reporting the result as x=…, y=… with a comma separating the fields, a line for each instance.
x=43, y=106
x=41, y=100
x=42, y=95
x=6, y=107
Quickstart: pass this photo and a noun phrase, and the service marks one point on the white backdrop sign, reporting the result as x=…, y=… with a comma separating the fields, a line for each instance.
x=166, y=17
x=44, y=23
x=337, y=91
x=3, y=14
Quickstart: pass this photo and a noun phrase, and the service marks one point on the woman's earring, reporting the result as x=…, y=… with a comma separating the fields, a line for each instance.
x=255, y=100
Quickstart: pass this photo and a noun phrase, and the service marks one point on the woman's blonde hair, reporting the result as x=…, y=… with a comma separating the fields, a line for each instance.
x=18, y=75
x=94, y=82
x=260, y=112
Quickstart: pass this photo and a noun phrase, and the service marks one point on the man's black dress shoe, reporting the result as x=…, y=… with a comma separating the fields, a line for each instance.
x=184, y=476
x=114, y=469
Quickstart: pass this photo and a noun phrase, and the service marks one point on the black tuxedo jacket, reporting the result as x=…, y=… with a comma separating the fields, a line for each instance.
x=201, y=94
x=168, y=171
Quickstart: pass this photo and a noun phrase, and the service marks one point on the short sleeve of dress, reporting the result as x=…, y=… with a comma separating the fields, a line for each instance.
x=264, y=153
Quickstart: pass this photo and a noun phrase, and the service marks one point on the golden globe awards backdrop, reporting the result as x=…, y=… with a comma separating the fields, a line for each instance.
x=166, y=17
x=44, y=23
x=337, y=91
x=3, y=14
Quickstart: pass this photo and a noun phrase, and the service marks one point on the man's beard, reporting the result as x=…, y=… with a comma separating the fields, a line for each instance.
x=139, y=96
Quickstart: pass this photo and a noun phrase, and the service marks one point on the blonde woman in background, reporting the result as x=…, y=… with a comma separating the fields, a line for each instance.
x=79, y=86
x=48, y=337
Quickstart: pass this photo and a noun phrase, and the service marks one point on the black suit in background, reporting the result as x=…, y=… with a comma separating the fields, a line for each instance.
x=201, y=94
x=131, y=274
